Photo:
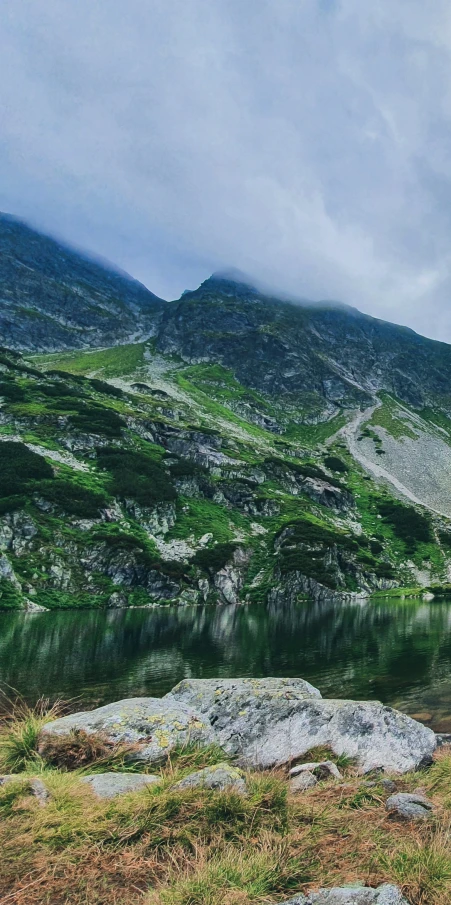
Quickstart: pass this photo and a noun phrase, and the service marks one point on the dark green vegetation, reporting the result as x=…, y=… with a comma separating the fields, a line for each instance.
x=123, y=498
x=136, y=475
x=410, y=526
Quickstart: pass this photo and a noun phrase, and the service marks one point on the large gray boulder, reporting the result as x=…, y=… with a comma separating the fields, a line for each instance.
x=268, y=722
x=109, y=785
x=358, y=895
x=156, y=724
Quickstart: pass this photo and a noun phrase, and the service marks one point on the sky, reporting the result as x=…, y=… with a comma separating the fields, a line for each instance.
x=304, y=142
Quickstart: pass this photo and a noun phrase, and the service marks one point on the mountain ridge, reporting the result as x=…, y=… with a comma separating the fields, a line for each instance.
x=54, y=297
x=238, y=447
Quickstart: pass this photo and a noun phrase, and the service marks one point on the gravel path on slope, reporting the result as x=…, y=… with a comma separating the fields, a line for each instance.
x=419, y=469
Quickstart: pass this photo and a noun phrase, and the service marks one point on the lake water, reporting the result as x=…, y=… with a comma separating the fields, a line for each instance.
x=398, y=653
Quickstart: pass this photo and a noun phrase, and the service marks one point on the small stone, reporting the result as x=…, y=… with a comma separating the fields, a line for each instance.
x=410, y=806
x=352, y=895
x=40, y=791
x=303, y=781
x=219, y=777
x=108, y=785
x=388, y=785
x=322, y=770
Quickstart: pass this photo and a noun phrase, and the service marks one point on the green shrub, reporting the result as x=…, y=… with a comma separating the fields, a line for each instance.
x=136, y=475
x=445, y=538
x=335, y=464
x=306, y=532
x=12, y=392
x=184, y=468
x=95, y=419
x=66, y=375
x=409, y=525
x=10, y=597
x=309, y=564
x=57, y=390
x=19, y=468
x=107, y=388
x=213, y=559
x=305, y=470
x=376, y=547
x=74, y=498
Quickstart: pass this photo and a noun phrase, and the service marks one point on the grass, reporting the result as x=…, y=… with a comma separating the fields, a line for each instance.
x=115, y=362
x=163, y=846
x=20, y=732
x=393, y=418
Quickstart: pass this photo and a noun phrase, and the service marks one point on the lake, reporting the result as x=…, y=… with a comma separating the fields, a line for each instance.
x=396, y=652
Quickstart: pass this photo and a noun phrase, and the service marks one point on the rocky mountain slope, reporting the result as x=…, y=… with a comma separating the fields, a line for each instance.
x=53, y=297
x=244, y=449
x=129, y=478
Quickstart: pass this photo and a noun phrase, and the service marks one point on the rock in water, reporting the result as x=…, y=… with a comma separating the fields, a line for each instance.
x=108, y=785
x=158, y=725
x=266, y=722
x=219, y=777
x=359, y=895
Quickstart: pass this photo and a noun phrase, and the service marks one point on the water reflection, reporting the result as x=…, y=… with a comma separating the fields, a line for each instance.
x=399, y=653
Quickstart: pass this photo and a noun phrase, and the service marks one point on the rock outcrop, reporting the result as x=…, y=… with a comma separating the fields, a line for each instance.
x=261, y=722
x=265, y=722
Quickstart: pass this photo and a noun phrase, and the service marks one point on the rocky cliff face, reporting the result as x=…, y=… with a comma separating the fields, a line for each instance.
x=52, y=297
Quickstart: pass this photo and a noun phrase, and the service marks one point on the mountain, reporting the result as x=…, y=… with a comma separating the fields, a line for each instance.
x=53, y=297
x=333, y=353
x=245, y=448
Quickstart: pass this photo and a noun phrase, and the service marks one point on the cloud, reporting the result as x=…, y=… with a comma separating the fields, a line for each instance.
x=306, y=143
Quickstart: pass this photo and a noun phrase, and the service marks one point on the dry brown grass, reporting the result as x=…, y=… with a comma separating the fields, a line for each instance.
x=198, y=847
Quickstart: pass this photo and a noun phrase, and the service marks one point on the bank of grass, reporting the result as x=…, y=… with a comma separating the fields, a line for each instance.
x=117, y=361
x=162, y=846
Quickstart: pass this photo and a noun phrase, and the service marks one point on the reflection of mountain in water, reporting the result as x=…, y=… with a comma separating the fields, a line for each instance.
x=399, y=653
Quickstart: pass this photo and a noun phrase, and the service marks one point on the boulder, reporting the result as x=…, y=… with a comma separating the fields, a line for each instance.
x=303, y=781
x=269, y=722
x=156, y=725
x=322, y=770
x=410, y=806
x=34, y=785
x=348, y=895
x=219, y=777
x=108, y=785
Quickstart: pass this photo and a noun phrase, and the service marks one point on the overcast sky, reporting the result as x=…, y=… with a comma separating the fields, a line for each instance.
x=305, y=142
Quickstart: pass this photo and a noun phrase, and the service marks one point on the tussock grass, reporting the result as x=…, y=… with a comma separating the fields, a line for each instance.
x=163, y=846
x=20, y=732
